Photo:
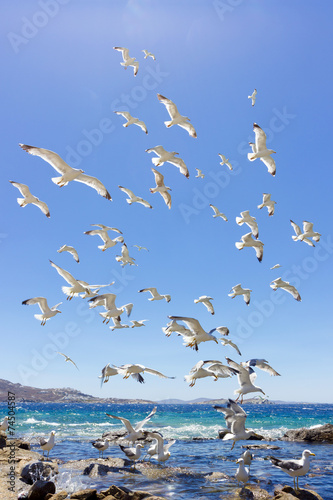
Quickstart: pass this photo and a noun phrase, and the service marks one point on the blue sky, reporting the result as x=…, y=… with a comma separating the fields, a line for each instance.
x=61, y=85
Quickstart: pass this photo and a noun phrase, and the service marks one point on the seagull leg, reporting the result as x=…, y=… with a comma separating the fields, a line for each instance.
x=233, y=444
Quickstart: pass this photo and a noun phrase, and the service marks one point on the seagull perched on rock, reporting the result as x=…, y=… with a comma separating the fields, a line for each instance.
x=267, y=202
x=155, y=295
x=71, y=250
x=206, y=302
x=67, y=173
x=294, y=468
x=132, y=454
x=247, y=456
x=262, y=364
x=136, y=369
x=4, y=424
x=168, y=156
x=225, y=161
x=101, y=445
x=242, y=474
x=131, y=120
x=125, y=258
x=148, y=54
x=238, y=290
x=67, y=358
x=253, y=96
x=217, y=213
x=176, y=117
x=47, y=445
x=127, y=60
x=246, y=376
x=199, y=175
x=259, y=150
x=30, y=198
x=134, y=433
x=103, y=234
x=162, y=451
x=235, y=418
x=47, y=313
x=161, y=187
x=285, y=285
x=248, y=241
x=197, y=333
x=250, y=221
x=133, y=198
x=213, y=369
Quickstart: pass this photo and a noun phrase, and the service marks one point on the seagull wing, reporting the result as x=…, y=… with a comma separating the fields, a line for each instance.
x=296, y=228
x=125, y=421
x=128, y=192
x=140, y=425
x=42, y=205
x=192, y=323
x=124, y=52
x=179, y=162
x=142, y=125
x=307, y=226
x=263, y=365
x=216, y=210
x=166, y=197
x=170, y=106
x=64, y=274
x=155, y=372
x=159, y=178
x=125, y=114
x=49, y=156
x=24, y=190
x=94, y=183
x=270, y=164
x=189, y=127
x=260, y=137
x=152, y=290
x=41, y=301
x=243, y=374
x=159, y=150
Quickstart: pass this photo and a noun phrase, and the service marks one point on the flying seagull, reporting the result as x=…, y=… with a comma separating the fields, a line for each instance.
x=308, y=233
x=298, y=233
x=133, y=198
x=148, y=54
x=209, y=368
x=253, y=96
x=108, y=301
x=197, y=333
x=140, y=247
x=137, y=324
x=47, y=313
x=30, y=198
x=246, y=377
x=173, y=326
x=250, y=221
x=199, y=175
x=275, y=267
x=225, y=161
x=71, y=250
x=125, y=258
x=168, y=156
x=259, y=150
x=248, y=241
x=117, y=325
x=67, y=358
x=285, y=285
x=155, y=295
x=262, y=364
x=217, y=213
x=294, y=468
x=129, y=369
x=131, y=120
x=226, y=342
x=176, y=117
x=267, y=202
x=161, y=187
x=162, y=451
x=109, y=371
x=136, y=432
x=206, y=302
x=127, y=60
x=238, y=290
x=103, y=234
x=67, y=173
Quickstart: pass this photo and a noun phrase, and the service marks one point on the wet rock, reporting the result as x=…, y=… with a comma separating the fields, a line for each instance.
x=223, y=432
x=318, y=434
x=3, y=439
x=34, y=471
x=61, y=495
x=84, y=495
x=260, y=447
x=288, y=493
x=40, y=489
x=96, y=469
x=216, y=476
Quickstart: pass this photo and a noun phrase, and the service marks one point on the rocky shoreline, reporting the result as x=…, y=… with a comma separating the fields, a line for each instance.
x=35, y=478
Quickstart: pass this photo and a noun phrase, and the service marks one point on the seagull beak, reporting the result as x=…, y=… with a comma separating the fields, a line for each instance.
x=312, y=454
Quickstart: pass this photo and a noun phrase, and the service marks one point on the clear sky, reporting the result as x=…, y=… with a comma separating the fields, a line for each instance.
x=62, y=82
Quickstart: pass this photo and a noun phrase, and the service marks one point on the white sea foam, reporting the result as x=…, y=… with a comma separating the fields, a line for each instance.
x=40, y=422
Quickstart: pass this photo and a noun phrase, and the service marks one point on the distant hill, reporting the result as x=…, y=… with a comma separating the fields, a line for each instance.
x=181, y=402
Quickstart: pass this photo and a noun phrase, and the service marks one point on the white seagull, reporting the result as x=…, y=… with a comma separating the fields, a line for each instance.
x=262, y=364
x=206, y=302
x=197, y=334
x=30, y=198
x=137, y=324
x=67, y=173
x=148, y=54
x=217, y=213
x=225, y=161
x=176, y=117
x=47, y=445
x=161, y=187
x=108, y=372
x=246, y=376
x=173, y=326
x=4, y=424
x=267, y=202
x=155, y=295
x=275, y=267
x=248, y=241
x=298, y=233
x=67, y=358
x=133, y=198
x=294, y=468
x=47, y=312
x=242, y=474
x=226, y=342
x=162, y=451
x=140, y=247
x=101, y=445
x=253, y=96
x=223, y=330
x=125, y=258
x=132, y=454
x=103, y=234
x=129, y=369
x=128, y=61
x=71, y=250
x=214, y=369
x=108, y=300
x=285, y=285
x=259, y=150
x=199, y=175
x=168, y=156
x=308, y=233
x=235, y=418
x=247, y=456
x=134, y=433
x=117, y=325
x=238, y=290
x=250, y=221
x=131, y=120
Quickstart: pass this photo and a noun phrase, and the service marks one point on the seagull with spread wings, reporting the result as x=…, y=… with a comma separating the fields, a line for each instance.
x=67, y=358
x=136, y=432
x=246, y=377
x=161, y=187
x=250, y=221
x=108, y=301
x=125, y=258
x=227, y=342
x=217, y=213
x=285, y=285
x=259, y=150
x=129, y=369
x=127, y=60
x=197, y=333
x=298, y=233
x=30, y=198
x=173, y=326
x=248, y=241
x=148, y=54
x=131, y=120
x=47, y=312
x=267, y=202
x=176, y=117
x=133, y=198
x=225, y=161
x=71, y=250
x=103, y=234
x=168, y=156
x=213, y=368
x=238, y=290
x=205, y=299
x=155, y=295
x=253, y=97
x=67, y=173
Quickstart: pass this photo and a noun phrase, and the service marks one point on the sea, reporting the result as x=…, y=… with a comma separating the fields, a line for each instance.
x=197, y=453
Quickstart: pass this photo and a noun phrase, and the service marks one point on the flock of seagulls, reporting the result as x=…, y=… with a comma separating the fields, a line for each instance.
x=193, y=334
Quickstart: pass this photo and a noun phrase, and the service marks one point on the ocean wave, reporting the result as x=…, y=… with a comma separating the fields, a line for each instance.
x=32, y=420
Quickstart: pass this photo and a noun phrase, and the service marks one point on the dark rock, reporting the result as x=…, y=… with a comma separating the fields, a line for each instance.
x=40, y=489
x=260, y=447
x=318, y=434
x=216, y=476
x=85, y=495
x=38, y=470
x=288, y=493
x=223, y=432
x=116, y=492
x=3, y=441
x=57, y=496
x=95, y=470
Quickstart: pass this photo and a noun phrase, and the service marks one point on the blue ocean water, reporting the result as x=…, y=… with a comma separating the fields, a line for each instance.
x=196, y=452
